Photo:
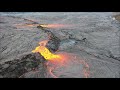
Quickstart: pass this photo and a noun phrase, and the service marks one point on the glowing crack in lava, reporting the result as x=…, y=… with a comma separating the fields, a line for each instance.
x=62, y=62
x=54, y=25
x=43, y=25
x=70, y=65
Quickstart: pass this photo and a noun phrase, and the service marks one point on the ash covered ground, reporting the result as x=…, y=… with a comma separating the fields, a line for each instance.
x=91, y=36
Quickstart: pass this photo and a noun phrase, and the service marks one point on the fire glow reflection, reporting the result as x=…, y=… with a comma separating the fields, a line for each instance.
x=43, y=25
x=54, y=25
x=62, y=60
x=69, y=65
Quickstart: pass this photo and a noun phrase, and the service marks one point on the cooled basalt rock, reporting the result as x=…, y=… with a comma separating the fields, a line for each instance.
x=18, y=67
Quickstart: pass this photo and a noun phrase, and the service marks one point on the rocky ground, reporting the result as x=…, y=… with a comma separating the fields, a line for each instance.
x=93, y=37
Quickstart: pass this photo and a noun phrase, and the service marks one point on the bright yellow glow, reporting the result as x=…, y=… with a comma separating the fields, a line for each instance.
x=45, y=53
x=59, y=59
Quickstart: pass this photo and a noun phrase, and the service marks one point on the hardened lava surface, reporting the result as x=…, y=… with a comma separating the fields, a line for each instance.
x=89, y=45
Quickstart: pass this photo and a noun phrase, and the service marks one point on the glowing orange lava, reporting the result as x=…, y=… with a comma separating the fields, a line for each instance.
x=54, y=25
x=25, y=25
x=43, y=25
x=60, y=60
x=45, y=52
x=68, y=61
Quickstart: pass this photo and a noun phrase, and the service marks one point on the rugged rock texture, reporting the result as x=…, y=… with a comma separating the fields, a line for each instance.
x=54, y=42
x=94, y=37
x=18, y=67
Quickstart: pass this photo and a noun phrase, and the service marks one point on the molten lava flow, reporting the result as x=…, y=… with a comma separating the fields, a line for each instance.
x=43, y=25
x=53, y=25
x=61, y=60
x=68, y=66
x=45, y=52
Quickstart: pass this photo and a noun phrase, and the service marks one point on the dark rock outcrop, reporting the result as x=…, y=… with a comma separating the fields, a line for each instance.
x=22, y=65
x=54, y=41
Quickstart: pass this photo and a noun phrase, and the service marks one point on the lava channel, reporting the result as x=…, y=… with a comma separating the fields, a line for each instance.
x=63, y=63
